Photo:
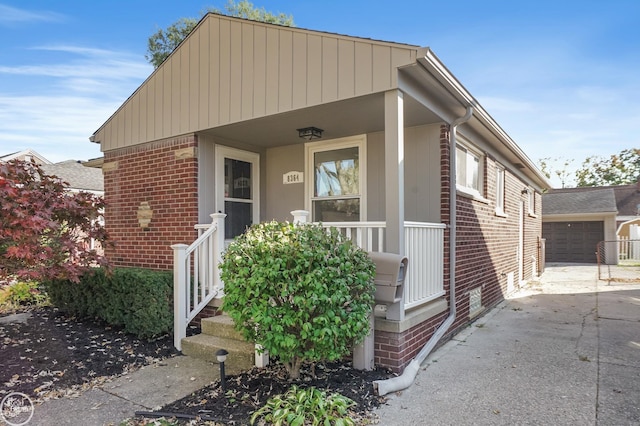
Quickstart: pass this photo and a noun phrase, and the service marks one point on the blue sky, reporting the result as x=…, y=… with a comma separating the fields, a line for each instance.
x=562, y=78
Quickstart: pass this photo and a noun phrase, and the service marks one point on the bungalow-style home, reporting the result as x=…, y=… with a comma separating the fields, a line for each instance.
x=575, y=221
x=247, y=121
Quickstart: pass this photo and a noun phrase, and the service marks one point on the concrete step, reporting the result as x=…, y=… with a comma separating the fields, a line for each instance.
x=221, y=326
x=203, y=346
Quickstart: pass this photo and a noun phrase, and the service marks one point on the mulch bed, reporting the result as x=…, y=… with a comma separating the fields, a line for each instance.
x=250, y=390
x=52, y=355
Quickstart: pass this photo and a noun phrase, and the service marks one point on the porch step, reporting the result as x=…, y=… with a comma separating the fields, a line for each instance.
x=218, y=333
x=221, y=326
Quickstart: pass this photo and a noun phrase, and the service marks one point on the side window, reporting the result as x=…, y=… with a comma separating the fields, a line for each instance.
x=531, y=201
x=499, y=190
x=469, y=170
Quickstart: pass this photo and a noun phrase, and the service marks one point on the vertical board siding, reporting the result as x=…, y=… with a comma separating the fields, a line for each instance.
x=285, y=71
x=235, y=74
x=214, y=53
x=184, y=87
x=346, y=69
x=229, y=70
x=202, y=73
x=175, y=83
x=194, y=82
x=314, y=69
x=363, y=68
x=248, y=46
x=329, y=69
x=167, y=96
x=259, y=71
x=299, y=78
x=224, y=82
x=272, y=70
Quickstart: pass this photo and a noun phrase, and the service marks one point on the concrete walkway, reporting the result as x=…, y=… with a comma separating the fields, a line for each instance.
x=563, y=351
x=145, y=389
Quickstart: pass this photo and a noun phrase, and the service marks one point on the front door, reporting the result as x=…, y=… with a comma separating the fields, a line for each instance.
x=237, y=189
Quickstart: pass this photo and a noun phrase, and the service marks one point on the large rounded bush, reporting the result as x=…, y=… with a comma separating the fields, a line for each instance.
x=301, y=291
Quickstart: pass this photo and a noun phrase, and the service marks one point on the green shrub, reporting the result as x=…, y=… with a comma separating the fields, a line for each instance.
x=139, y=300
x=300, y=406
x=302, y=292
x=22, y=293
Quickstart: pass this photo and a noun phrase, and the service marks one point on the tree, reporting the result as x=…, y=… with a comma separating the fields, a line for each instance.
x=618, y=169
x=303, y=293
x=558, y=166
x=163, y=42
x=44, y=228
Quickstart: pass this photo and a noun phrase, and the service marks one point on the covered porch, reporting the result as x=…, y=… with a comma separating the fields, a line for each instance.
x=197, y=280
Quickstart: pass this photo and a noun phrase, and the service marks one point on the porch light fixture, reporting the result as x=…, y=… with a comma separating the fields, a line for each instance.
x=525, y=191
x=221, y=356
x=310, y=133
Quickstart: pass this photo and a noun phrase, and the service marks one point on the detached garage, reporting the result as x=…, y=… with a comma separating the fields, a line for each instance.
x=575, y=220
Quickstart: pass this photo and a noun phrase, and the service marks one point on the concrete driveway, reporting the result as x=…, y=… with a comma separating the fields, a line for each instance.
x=564, y=350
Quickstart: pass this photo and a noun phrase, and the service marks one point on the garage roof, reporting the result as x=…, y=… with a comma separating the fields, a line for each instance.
x=577, y=200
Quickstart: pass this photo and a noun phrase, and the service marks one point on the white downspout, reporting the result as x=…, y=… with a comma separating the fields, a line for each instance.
x=383, y=387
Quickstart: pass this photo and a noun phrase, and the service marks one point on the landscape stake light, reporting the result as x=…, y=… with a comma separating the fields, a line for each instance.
x=221, y=356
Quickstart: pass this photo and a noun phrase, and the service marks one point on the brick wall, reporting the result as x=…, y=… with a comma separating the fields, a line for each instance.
x=164, y=175
x=486, y=250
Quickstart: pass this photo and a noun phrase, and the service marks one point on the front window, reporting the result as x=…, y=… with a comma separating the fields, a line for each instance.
x=337, y=184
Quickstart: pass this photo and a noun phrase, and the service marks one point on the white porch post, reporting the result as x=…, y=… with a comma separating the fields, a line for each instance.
x=179, y=295
x=394, y=182
x=300, y=216
x=217, y=220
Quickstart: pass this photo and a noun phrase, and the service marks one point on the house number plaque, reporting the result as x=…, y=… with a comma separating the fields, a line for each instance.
x=292, y=177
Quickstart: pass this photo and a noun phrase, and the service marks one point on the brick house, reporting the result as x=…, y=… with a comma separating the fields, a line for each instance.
x=258, y=121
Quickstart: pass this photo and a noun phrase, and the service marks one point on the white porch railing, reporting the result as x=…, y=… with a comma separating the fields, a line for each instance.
x=628, y=249
x=196, y=277
x=424, y=247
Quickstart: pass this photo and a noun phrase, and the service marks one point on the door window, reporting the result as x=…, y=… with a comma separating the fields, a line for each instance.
x=237, y=170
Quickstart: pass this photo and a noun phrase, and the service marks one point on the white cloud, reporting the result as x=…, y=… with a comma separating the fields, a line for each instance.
x=11, y=16
x=54, y=107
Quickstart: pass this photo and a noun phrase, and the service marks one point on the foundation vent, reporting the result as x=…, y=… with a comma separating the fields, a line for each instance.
x=475, y=302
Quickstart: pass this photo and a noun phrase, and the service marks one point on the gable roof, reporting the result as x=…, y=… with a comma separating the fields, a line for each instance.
x=627, y=199
x=254, y=83
x=579, y=201
x=229, y=70
x=76, y=175
x=21, y=155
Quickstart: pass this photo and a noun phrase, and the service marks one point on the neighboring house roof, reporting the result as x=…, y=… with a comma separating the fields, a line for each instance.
x=627, y=200
x=25, y=154
x=76, y=175
x=579, y=201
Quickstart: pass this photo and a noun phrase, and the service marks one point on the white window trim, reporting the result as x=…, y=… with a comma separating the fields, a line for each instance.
x=311, y=148
x=531, y=202
x=476, y=194
x=222, y=152
x=500, y=190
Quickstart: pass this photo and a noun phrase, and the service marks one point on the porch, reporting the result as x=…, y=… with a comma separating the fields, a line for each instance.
x=197, y=279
